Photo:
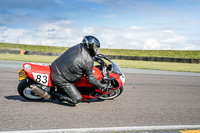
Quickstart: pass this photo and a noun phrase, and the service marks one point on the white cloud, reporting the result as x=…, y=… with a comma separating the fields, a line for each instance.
x=168, y=31
x=172, y=37
x=64, y=33
x=134, y=27
x=88, y=31
x=11, y=35
x=151, y=44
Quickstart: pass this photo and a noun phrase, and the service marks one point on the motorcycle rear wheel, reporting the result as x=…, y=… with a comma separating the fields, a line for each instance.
x=25, y=92
x=112, y=95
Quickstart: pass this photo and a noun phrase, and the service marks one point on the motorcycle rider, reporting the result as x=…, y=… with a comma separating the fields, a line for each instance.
x=71, y=66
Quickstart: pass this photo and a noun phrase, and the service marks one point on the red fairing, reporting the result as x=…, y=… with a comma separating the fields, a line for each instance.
x=117, y=78
x=39, y=73
x=83, y=81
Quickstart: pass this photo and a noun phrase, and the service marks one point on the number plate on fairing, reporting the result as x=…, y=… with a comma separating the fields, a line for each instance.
x=41, y=78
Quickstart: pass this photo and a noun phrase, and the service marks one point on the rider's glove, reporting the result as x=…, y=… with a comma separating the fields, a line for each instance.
x=99, y=60
x=104, y=88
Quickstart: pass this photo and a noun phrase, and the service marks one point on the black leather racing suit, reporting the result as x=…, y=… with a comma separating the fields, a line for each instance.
x=70, y=67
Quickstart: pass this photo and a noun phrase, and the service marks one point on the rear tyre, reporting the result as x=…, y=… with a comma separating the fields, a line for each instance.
x=112, y=95
x=25, y=92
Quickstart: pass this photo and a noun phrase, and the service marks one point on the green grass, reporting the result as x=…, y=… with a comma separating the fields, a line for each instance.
x=126, y=52
x=153, y=53
x=28, y=58
x=52, y=49
x=184, y=67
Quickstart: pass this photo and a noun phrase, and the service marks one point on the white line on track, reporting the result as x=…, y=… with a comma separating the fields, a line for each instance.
x=110, y=129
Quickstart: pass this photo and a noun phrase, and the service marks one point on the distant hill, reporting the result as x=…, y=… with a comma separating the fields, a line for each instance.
x=126, y=52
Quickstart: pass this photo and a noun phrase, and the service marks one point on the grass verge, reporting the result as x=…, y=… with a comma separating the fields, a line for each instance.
x=28, y=58
x=183, y=67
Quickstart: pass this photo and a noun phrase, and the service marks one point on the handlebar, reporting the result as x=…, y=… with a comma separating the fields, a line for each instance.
x=104, y=66
x=103, y=56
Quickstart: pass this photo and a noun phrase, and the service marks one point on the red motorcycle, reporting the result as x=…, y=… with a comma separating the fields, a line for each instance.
x=36, y=84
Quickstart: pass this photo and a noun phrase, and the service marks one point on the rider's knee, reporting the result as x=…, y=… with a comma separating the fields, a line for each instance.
x=77, y=99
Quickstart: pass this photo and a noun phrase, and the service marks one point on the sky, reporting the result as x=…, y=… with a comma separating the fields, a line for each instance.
x=118, y=24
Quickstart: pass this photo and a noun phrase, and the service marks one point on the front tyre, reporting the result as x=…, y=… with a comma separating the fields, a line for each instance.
x=112, y=95
x=25, y=92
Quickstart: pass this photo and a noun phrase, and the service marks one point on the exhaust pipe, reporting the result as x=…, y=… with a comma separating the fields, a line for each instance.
x=40, y=92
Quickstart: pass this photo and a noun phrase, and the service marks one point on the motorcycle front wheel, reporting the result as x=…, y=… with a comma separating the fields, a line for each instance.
x=112, y=95
x=25, y=92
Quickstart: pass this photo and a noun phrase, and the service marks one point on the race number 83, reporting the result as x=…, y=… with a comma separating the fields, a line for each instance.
x=41, y=78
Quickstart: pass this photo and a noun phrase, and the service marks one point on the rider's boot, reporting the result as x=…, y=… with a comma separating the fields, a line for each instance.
x=62, y=97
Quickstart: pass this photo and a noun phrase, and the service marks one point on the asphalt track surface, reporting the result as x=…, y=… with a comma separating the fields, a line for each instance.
x=150, y=98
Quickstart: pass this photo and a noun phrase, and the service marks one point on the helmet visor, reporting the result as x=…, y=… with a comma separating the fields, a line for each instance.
x=96, y=48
